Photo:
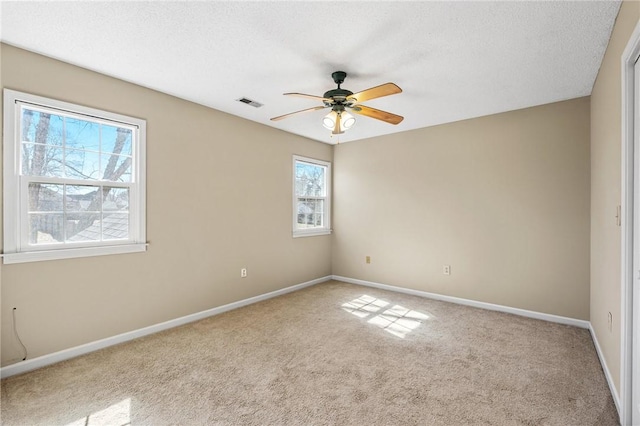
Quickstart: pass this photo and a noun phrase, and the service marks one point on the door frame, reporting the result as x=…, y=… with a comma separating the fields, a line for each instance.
x=630, y=148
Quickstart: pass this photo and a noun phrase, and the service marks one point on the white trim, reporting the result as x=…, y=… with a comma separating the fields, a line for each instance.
x=468, y=302
x=11, y=211
x=628, y=59
x=311, y=233
x=16, y=243
x=42, y=361
x=607, y=373
x=72, y=253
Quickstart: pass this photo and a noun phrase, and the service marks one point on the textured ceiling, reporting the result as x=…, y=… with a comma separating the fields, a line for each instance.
x=453, y=60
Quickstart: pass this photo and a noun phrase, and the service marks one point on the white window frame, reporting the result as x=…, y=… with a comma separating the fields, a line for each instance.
x=326, y=229
x=16, y=248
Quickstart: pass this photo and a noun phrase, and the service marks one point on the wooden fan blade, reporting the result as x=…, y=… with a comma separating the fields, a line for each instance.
x=375, y=92
x=302, y=95
x=377, y=114
x=280, y=117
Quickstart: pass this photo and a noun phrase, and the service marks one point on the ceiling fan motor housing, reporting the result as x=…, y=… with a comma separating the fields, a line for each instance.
x=339, y=77
x=338, y=95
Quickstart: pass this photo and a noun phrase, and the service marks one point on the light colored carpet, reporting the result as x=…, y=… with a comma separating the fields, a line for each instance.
x=334, y=353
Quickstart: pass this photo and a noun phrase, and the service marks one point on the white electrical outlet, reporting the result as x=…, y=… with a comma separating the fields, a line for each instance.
x=446, y=269
x=243, y=273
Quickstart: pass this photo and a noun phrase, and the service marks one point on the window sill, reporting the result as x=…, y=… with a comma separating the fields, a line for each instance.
x=311, y=233
x=37, y=256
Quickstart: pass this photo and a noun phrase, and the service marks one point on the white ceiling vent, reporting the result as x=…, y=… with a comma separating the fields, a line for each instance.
x=250, y=102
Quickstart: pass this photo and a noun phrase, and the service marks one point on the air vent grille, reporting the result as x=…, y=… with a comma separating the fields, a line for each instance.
x=249, y=102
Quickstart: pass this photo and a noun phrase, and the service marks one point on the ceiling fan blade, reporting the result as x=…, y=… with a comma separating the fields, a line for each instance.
x=377, y=114
x=375, y=92
x=280, y=117
x=303, y=95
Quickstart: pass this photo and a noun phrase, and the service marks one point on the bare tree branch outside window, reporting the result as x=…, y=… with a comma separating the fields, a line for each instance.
x=64, y=147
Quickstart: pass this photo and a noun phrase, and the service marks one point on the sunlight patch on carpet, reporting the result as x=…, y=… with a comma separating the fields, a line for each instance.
x=397, y=320
x=118, y=414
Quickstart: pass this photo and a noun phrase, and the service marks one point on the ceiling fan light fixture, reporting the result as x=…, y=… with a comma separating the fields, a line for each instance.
x=329, y=120
x=347, y=120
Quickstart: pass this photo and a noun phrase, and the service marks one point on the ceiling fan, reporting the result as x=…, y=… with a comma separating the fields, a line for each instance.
x=340, y=100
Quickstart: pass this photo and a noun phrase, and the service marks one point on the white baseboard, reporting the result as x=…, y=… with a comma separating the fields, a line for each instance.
x=468, y=302
x=42, y=361
x=607, y=373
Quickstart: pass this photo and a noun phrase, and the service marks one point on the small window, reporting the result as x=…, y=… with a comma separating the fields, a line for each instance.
x=74, y=180
x=311, y=197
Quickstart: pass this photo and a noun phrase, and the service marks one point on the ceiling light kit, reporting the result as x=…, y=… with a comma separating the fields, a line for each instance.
x=339, y=100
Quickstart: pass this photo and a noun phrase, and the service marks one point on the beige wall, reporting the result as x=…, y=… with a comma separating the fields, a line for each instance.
x=503, y=199
x=606, y=189
x=507, y=200
x=218, y=199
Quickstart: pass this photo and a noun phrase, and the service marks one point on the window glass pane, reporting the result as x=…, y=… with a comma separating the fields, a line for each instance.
x=318, y=214
x=41, y=160
x=115, y=226
x=82, y=198
x=116, y=140
x=46, y=228
x=81, y=134
x=45, y=197
x=82, y=226
x=40, y=127
x=82, y=164
x=310, y=179
x=310, y=213
x=29, y=122
x=115, y=199
x=116, y=168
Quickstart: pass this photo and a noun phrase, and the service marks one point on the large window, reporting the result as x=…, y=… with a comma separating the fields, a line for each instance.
x=73, y=181
x=311, y=197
